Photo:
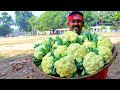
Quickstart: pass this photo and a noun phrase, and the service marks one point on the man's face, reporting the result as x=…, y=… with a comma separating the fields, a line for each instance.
x=76, y=25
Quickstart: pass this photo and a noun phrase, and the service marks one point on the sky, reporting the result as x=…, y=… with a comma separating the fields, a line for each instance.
x=11, y=13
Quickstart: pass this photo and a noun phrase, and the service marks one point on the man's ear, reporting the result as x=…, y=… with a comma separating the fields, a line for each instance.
x=83, y=24
x=68, y=23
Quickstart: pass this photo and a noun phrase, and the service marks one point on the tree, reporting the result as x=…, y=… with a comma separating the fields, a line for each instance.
x=22, y=18
x=112, y=27
x=117, y=20
x=51, y=20
x=103, y=27
x=33, y=23
x=6, y=22
x=90, y=19
x=106, y=17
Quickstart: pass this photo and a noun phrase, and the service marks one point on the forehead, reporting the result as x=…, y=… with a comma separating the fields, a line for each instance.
x=75, y=20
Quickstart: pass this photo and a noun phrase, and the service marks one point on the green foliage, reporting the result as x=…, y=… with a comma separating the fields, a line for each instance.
x=79, y=65
x=59, y=40
x=53, y=70
x=36, y=45
x=37, y=61
x=112, y=27
x=75, y=75
x=90, y=49
x=90, y=19
x=103, y=27
x=91, y=37
x=80, y=41
x=52, y=20
x=117, y=15
x=67, y=43
x=83, y=72
x=22, y=18
x=6, y=22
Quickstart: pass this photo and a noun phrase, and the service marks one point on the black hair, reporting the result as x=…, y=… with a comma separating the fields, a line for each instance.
x=75, y=12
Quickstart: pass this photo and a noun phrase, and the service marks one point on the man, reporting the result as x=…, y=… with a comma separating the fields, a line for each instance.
x=76, y=21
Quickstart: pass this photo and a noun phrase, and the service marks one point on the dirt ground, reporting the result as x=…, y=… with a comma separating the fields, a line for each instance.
x=22, y=67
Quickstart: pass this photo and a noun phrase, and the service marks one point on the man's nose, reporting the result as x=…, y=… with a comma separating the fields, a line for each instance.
x=76, y=23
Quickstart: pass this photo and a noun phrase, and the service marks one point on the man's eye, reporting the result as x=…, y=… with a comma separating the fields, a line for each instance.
x=72, y=21
x=78, y=21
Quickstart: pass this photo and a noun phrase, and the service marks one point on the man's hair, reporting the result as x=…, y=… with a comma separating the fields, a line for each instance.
x=75, y=12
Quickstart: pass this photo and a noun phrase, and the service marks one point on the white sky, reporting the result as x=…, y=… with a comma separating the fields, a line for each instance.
x=36, y=13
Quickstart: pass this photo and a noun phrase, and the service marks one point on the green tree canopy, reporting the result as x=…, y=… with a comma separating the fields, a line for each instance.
x=6, y=22
x=51, y=20
x=90, y=19
x=22, y=18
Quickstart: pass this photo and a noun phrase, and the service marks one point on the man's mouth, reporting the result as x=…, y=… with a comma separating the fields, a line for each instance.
x=76, y=28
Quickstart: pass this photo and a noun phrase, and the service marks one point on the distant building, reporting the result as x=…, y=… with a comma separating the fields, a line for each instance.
x=61, y=31
x=97, y=28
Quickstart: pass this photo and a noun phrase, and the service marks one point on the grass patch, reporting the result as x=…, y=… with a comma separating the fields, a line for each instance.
x=22, y=40
x=8, y=54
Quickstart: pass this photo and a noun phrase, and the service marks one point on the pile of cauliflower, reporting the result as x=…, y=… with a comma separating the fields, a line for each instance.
x=70, y=54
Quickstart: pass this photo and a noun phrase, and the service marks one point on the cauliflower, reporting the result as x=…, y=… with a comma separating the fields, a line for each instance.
x=47, y=62
x=88, y=44
x=80, y=36
x=106, y=53
x=49, y=41
x=55, y=45
x=69, y=35
x=45, y=41
x=77, y=50
x=104, y=41
x=92, y=63
x=65, y=67
x=61, y=49
x=70, y=53
x=38, y=53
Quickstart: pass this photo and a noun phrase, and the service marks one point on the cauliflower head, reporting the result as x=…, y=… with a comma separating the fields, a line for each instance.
x=80, y=36
x=77, y=50
x=92, y=63
x=50, y=40
x=47, y=62
x=104, y=41
x=38, y=53
x=88, y=44
x=55, y=45
x=65, y=67
x=61, y=49
x=106, y=53
x=69, y=35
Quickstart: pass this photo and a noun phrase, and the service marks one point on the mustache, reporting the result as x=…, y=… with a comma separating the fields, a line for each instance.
x=76, y=26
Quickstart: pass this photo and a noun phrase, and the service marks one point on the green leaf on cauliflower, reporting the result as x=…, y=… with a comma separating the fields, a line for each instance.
x=80, y=41
x=83, y=72
x=53, y=70
x=58, y=58
x=52, y=54
x=75, y=75
x=90, y=49
x=79, y=65
x=36, y=45
x=67, y=43
x=37, y=61
x=39, y=66
x=59, y=40
x=95, y=38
